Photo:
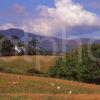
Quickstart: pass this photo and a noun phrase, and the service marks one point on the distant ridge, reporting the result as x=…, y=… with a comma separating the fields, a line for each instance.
x=46, y=41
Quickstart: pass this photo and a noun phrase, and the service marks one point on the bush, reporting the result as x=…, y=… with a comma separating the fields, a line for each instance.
x=85, y=71
x=34, y=72
x=62, y=70
x=7, y=48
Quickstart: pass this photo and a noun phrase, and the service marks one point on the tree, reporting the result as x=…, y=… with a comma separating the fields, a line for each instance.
x=7, y=48
x=1, y=36
x=15, y=37
x=85, y=71
x=34, y=47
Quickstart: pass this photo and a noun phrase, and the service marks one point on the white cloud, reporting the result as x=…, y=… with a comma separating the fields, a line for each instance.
x=43, y=26
x=7, y=26
x=70, y=13
x=65, y=14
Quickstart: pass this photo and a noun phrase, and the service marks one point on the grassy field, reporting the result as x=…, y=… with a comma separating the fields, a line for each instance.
x=22, y=64
x=21, y=87
x=49, y=97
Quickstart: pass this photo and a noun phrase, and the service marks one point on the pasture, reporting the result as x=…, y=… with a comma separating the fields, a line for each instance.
x=22, y=87
x=23, y=64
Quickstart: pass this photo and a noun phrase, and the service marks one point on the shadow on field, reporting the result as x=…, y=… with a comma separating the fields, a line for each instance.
x=32, y=72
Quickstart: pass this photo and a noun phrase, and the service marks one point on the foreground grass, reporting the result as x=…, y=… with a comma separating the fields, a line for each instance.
x=29, y=84
x=21, y=87
x=23, y=64
x=39, y=88
x=48, y=97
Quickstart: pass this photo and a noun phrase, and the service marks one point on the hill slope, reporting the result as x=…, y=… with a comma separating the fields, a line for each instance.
x=22, y=87
x=32, y=84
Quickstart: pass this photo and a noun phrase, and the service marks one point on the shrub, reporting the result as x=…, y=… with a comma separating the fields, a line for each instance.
x=85, y=71
x=7, y=48
x=34, y=72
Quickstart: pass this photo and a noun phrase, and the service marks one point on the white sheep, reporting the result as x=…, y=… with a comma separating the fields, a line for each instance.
x=52, y=84
x=58, y=87
x=70, y=92
x=15, y=83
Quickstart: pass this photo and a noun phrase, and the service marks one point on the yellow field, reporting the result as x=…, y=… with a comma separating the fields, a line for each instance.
x=20, y=64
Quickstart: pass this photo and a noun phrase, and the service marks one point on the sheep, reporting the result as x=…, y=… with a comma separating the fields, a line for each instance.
x=58, y=87
x=52, y=84
x=15, y=83
x=70, y=92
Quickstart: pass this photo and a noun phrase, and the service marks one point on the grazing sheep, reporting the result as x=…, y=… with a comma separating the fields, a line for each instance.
x=52, y=84
x=70, y=92
x=15, y=83
x=58, y=87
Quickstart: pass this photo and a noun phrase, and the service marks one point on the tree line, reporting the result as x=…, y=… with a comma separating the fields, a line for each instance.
x=8, y=44
x=87, y=70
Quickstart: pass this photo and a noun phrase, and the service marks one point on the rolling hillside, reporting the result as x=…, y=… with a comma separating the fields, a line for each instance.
x=23, y=87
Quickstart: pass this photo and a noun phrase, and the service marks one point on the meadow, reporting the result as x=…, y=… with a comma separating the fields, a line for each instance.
x=22, y=87
x=24, y=64
x=16, y=83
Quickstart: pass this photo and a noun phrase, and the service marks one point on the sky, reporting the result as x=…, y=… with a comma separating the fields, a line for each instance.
x=58, y=18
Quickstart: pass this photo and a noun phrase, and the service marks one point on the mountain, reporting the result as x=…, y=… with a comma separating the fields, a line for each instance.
x=47, y=43
x=13, y=32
